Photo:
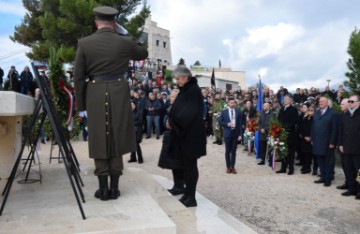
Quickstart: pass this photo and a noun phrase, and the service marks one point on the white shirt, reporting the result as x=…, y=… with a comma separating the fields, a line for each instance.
x=232, y=116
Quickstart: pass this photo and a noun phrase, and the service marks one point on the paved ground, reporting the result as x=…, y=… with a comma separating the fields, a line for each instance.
x=267, y=202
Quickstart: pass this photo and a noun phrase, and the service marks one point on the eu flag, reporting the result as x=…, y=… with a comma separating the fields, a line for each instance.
x=259, y=107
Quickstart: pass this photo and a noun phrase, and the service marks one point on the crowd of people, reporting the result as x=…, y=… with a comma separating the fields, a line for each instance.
x=319, y=125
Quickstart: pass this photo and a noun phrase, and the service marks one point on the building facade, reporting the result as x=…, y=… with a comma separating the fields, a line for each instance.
x=158, y=40
x=225, y=78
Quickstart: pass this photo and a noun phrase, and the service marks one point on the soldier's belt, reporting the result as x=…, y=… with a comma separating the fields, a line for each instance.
x=109, y=77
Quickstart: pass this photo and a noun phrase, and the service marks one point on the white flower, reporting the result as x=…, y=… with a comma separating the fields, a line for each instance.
x=281, y=143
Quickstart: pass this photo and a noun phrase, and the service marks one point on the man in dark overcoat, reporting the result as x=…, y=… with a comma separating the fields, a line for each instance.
x=349, y=135
x=323, y=138
x=288, y=117
x=264, y=127
x=102, y=89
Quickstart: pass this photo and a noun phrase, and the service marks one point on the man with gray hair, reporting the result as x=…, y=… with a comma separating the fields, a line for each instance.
x=323, y=138
x=288, y=117
x=349, y=135
x=344, y=106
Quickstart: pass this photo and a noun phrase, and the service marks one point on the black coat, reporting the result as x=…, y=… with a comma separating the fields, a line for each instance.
x=349, y=132
x=305, y=131
x=188, y=134
x=289, y=119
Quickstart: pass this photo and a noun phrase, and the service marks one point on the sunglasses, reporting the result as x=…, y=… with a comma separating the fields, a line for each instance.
x=352, y=101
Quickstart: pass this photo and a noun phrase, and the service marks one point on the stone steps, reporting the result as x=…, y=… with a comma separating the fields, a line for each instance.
x=145, y=206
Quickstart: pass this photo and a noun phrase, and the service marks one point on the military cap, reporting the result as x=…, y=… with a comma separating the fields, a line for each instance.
x=105, y=13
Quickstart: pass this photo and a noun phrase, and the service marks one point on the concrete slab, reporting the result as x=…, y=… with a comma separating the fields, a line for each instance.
x=51, y=207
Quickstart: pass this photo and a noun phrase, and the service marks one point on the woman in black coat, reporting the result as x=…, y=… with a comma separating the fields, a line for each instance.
x=188, y=134
x=167, y=161
x=305, y=132
x=138, y=120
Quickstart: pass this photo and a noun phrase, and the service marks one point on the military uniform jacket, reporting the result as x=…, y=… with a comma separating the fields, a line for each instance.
x=110, y=119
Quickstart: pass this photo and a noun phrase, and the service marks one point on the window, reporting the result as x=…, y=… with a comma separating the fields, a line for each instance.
x=228, y=86
x=164, y=44
x=157, y=42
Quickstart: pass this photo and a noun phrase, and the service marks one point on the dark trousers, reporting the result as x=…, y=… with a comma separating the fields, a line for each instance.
x=352, y=166
x=327, y=164
x=342, y=159
x=307, y=158
x=138, y=152
x=289, y=160
x=263, y=146
x=230, y=151
x=315, y=162
x=113, y=166
x=191, y=175
x=178, y=176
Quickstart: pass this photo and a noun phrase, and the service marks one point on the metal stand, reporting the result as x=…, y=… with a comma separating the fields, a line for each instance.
x=65, y=149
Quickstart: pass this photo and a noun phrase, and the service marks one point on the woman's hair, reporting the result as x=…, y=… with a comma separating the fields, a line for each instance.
x=182, y=70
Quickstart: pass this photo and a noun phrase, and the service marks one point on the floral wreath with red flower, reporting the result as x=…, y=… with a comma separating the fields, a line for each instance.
x=277, y=139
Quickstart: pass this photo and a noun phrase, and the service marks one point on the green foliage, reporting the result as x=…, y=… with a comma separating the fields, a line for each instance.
x=168, y=76
x=353, y=63
x=60, y=98
x=181, y=61
x=197, y=63
x=60, y=23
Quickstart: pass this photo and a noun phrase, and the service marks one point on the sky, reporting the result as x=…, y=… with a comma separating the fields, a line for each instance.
x=291, y=43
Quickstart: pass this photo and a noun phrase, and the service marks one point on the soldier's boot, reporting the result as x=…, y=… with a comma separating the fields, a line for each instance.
x=114, y=186
x=103, y=192
x=140, y=156
x=132, y=157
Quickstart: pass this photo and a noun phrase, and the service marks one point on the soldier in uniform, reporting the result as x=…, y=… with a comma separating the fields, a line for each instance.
x=217, y=108
x=102, y=90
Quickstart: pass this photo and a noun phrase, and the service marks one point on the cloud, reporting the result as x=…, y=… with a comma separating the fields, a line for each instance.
x=12, y=54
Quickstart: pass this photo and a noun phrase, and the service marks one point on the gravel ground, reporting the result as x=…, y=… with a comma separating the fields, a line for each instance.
x=266, y=201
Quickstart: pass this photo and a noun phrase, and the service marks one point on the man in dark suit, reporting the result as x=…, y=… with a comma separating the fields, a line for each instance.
x=323, y=138
x=288, y=117
x=349, y=135
x=230, y=120
x=264, y=126
x=103, y=91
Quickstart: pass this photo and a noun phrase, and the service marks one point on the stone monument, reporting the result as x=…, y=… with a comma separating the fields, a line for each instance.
x=13, y=106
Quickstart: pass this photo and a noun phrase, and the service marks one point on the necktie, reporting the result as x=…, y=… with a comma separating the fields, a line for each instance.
x=232, y=114
x=285, y=108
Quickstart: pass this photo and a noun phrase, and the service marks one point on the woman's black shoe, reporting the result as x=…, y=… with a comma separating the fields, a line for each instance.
x=176, y=191
x=189, y=202
x=183, y=198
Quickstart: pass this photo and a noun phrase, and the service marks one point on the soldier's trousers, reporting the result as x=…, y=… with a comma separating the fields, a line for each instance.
x=218, y=130
x=113, y=166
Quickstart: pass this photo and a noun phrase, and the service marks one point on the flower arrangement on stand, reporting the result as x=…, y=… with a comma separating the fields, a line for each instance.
x=277, y=141
x=251, y=127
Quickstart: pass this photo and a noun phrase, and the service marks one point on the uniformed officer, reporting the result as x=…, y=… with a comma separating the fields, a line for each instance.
x=102, y=90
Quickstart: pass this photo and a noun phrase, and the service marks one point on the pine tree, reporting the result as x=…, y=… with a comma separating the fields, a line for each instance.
x=60, y=23
x=181, y=61
x=353, y=63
